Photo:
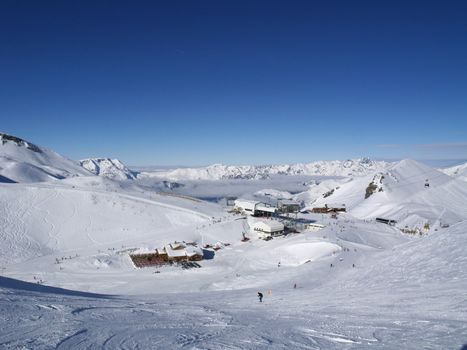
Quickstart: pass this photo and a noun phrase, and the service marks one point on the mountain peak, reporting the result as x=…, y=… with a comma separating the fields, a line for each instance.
x=108, y=167
x=408, y=166
x=5, y=138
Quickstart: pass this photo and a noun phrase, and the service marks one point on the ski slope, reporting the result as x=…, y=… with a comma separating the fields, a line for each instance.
x=66, y=279
x=410, y=296
x=60, y=219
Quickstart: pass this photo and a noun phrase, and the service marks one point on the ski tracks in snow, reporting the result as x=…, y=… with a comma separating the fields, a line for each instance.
x=13, y=229
x=145, y=325
x=39, y=206
x=209, y=323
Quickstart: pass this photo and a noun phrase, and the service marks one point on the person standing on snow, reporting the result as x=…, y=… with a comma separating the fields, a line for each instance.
x=260, y=296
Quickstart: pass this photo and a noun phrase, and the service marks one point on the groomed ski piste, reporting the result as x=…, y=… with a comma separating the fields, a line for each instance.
x=67, y=282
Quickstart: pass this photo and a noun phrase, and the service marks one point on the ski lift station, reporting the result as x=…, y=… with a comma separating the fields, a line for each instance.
x=288, y=206
x=268, y=228
x=254, y=208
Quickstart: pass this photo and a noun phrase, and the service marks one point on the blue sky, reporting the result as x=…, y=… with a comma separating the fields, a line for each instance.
x=237, y=82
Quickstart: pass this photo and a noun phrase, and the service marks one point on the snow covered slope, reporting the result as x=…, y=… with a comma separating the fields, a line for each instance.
x=408, y=296
x=42, y=220
x=22, y=161
x=457, y=171
x=410, y=192
x=111, y=168
x=359, y=284
x=355, y=167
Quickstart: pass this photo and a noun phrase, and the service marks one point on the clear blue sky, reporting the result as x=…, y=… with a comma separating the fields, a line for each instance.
x=253, y=82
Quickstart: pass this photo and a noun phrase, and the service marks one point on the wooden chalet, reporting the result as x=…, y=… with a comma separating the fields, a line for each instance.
x=172, y=253
x=149, y=259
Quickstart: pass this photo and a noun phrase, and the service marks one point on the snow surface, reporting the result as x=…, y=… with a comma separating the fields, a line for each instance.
x=66, y=279
x=410, y=296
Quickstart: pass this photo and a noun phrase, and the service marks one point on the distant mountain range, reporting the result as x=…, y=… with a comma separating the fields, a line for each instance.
x=23, y=161
x=346, y=168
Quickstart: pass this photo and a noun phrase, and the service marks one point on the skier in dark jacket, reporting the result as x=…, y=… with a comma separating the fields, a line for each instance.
x=260, y=296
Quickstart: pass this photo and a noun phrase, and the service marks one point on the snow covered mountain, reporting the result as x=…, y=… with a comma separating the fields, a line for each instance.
x=22, y=161
x=457, y=171
x=353, y=167
x=410, y=192
x=111, y=168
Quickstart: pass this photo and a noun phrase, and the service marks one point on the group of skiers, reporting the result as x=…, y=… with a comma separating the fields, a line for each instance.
x=260, y=295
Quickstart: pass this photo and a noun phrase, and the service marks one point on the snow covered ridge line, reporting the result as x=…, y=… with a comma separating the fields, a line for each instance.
x=4, y=138
x=351, y=167
x=22, y=161
x=457, y=171
x=111, y=168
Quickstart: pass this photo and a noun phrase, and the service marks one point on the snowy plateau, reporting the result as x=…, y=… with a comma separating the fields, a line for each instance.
x=68, y=230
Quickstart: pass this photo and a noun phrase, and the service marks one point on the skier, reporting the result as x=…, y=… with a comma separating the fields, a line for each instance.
x=295, y=286
x=279, y=264
x=260, y=296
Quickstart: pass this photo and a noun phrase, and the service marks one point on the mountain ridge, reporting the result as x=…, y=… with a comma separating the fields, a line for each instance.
x=350, y=167
x=23, y=161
